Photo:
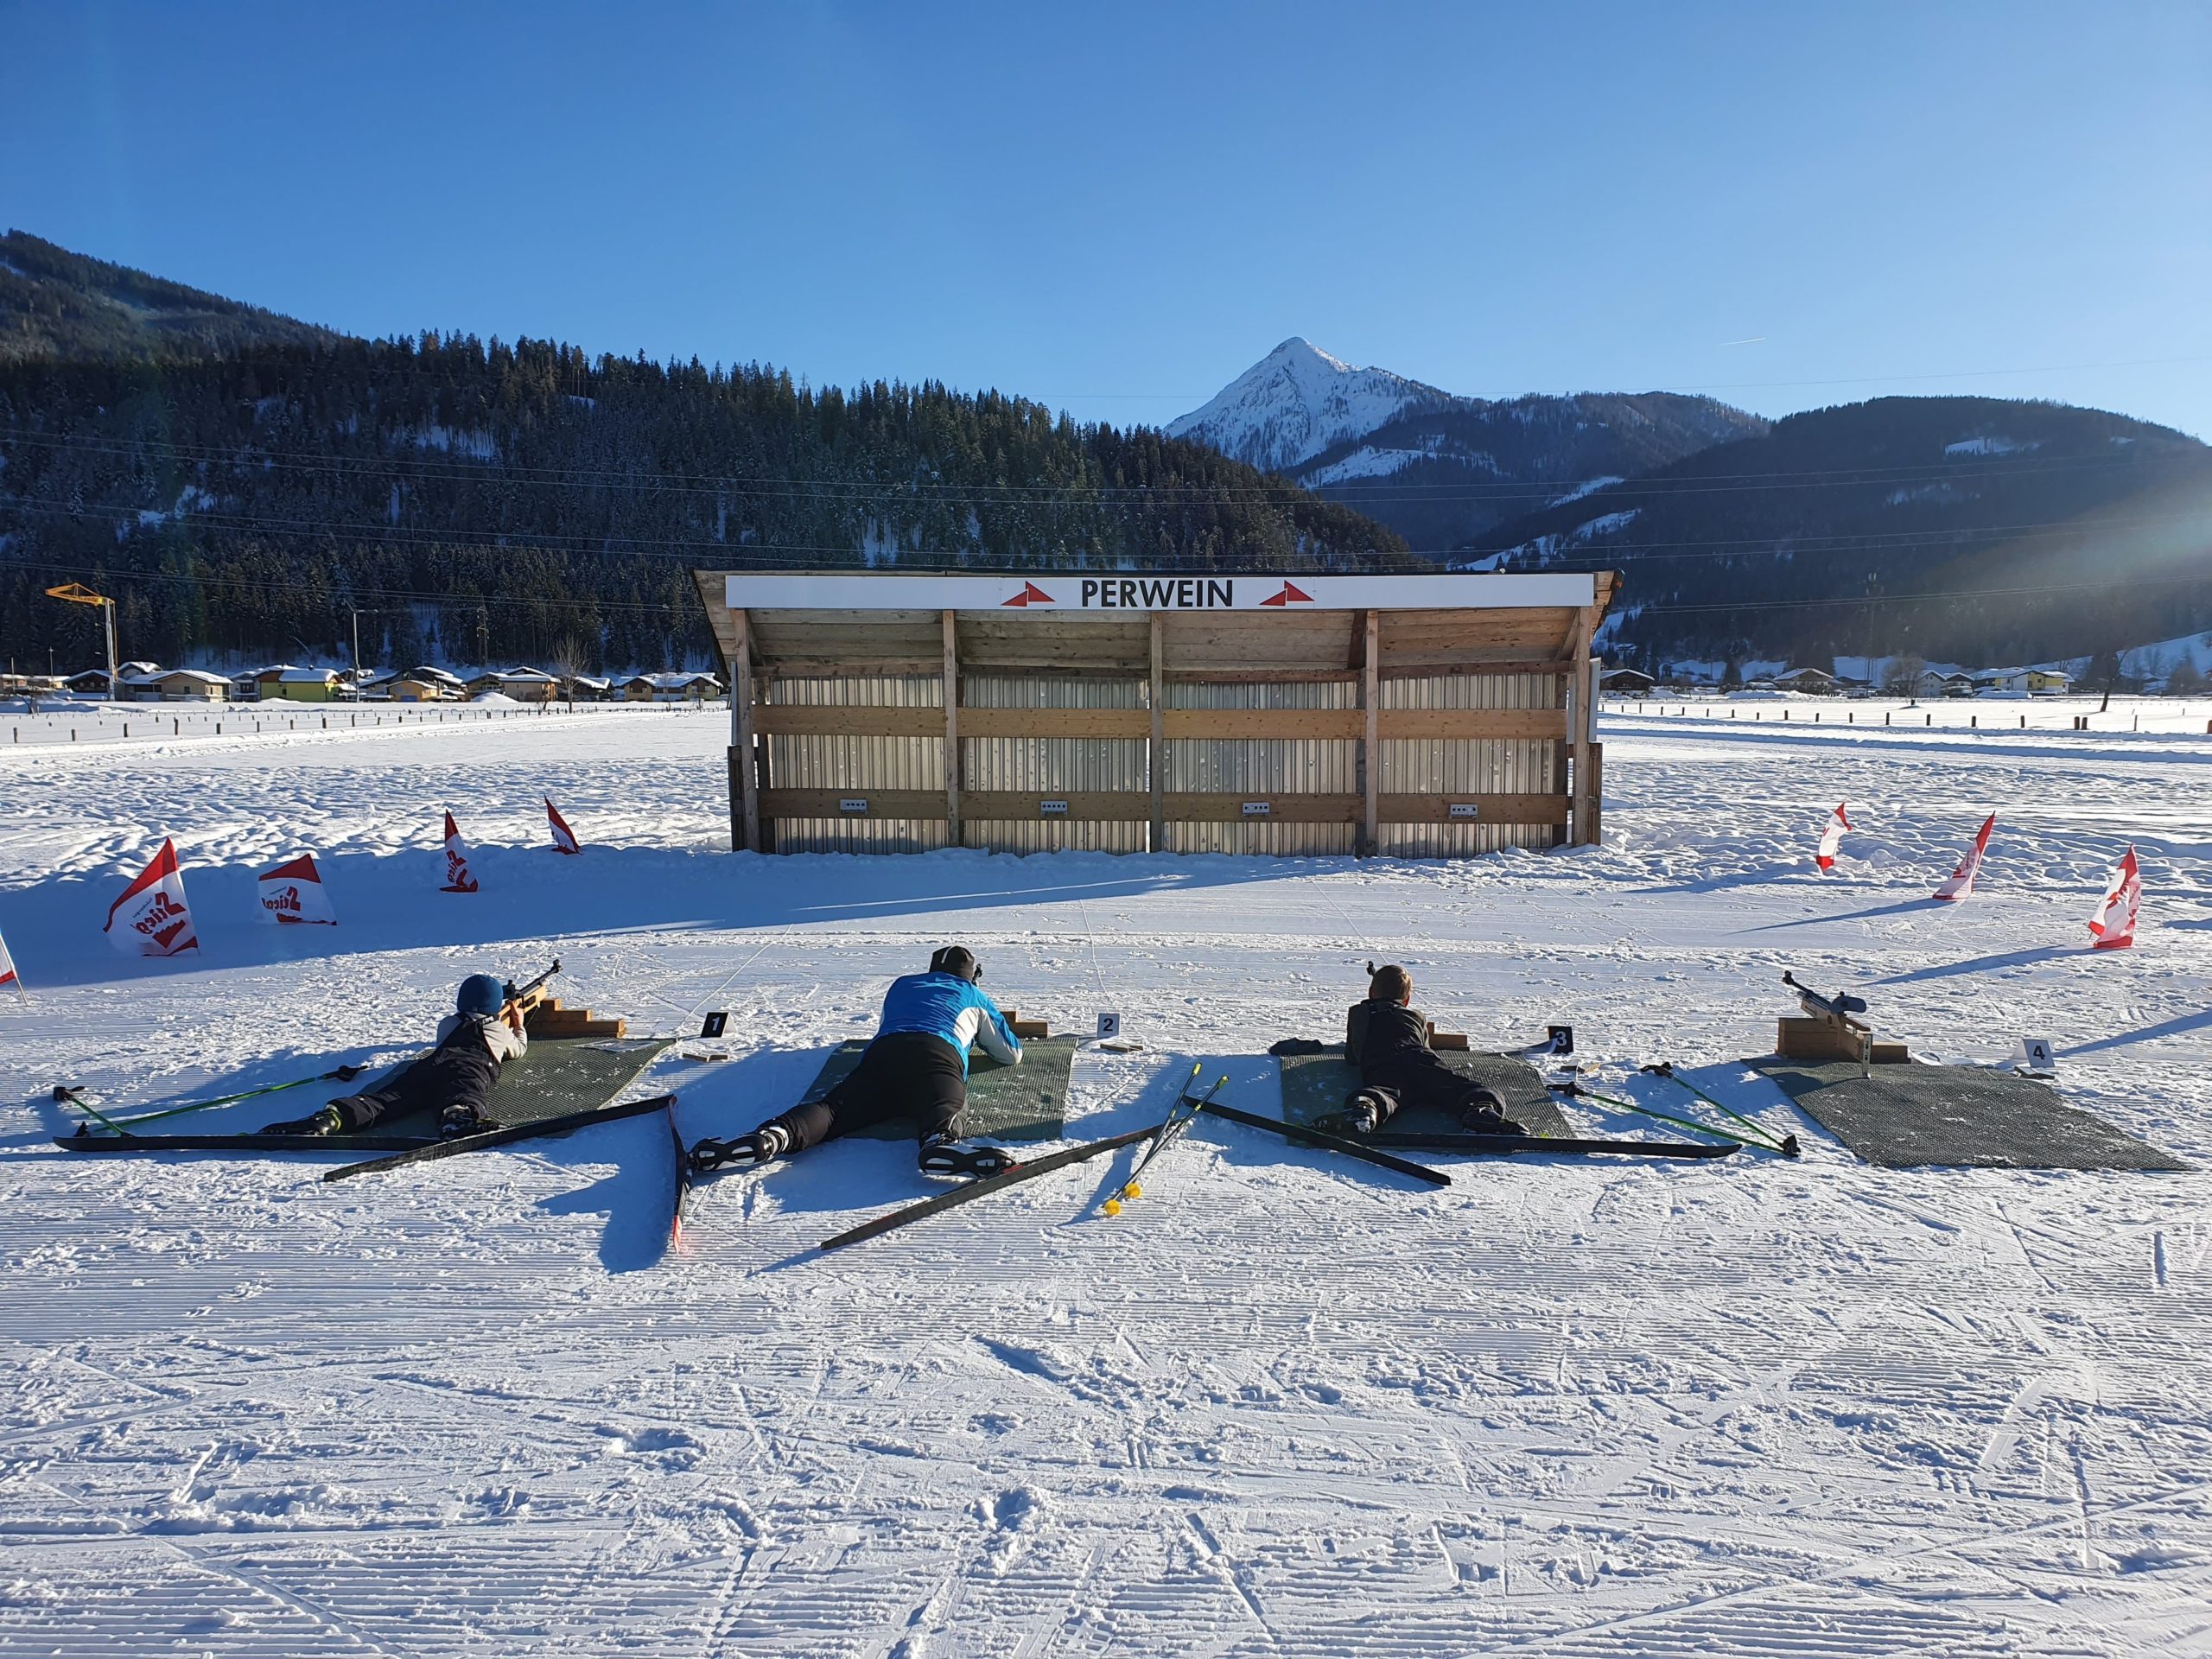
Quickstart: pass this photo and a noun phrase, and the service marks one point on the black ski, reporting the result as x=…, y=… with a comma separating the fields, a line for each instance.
x=682, y=1176
x=242, y=1143
x=988, y=1185
x=419, y=1153
x=1577, y=1145
x=1360, y=1150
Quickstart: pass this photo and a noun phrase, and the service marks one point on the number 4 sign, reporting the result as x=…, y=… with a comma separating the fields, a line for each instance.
x=2034, y=1059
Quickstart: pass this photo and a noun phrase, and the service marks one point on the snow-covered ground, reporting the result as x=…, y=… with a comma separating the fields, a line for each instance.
x=1282, y=1405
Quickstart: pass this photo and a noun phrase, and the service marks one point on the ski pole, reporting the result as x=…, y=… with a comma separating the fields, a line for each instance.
x=62, y=1091
x=1787, y=1146
x=1171, y=1130
x=1690, y=1123
x=343, y=1074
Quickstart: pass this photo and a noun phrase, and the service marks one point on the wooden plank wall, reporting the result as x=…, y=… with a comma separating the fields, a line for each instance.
x=767, y=651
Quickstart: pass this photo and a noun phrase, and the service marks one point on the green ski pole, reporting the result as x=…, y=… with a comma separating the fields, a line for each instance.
x=1690, y=1123
x=1788, y=1144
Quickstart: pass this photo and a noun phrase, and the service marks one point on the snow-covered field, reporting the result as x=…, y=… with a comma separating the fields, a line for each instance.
x=1282, y=1405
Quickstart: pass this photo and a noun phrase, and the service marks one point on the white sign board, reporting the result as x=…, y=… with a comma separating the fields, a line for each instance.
x=1109, y=1025
x=1074, y=593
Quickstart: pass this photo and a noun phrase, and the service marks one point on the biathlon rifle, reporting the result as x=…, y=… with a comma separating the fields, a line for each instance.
x=521, y=998
x=1839, y=1007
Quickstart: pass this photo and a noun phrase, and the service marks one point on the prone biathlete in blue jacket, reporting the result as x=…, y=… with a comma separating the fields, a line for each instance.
x=916, y=1067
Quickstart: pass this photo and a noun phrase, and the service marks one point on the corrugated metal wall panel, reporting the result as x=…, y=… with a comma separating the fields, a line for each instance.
x=859, y=764
x=1470, y=766
x=1263, y=766
x=1049, y=765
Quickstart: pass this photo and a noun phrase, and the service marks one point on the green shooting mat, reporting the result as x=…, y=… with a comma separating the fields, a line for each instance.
x=1913, y=1116
x=1005, y=1102
x=1316, y=1084
x=553, y=1077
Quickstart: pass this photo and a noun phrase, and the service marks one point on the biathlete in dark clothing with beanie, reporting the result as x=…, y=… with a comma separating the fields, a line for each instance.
x=453, y=1080
x=1387, y=1039
x=915, y=1068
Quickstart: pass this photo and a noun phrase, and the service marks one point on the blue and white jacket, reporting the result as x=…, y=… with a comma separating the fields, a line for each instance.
x=948, y=1006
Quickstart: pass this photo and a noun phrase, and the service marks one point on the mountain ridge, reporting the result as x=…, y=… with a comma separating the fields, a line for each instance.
x=1437, y=467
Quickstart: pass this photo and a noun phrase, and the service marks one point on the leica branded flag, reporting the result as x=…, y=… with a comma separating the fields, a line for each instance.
x=8, y=976
x=458, y=879
x=1832, y=838
x=2112, y=928
x=1961, y=880
x=292, y=893
x=564, y=839
x=151, y=919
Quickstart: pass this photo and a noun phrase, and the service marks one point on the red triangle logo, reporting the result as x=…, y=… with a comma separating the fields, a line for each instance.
x=1030, y=594
x=1291, y=595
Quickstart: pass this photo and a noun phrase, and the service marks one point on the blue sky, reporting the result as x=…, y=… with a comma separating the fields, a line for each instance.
x=1118, y=209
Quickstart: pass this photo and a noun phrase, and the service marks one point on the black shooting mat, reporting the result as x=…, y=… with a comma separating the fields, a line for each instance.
x=1005, y=1102
x=553, y=1077
x=1314, y=1085
x=1911, y=1116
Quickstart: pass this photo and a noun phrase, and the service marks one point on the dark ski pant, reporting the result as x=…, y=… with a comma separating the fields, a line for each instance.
x=459, y=1074
x=1415, y=1077
x=907, y=1074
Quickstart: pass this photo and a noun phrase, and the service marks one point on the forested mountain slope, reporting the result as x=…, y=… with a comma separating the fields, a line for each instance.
x=1957, y=529
x=490, y=502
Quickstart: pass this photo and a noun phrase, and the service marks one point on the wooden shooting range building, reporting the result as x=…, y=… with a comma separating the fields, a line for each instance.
x=1415, y=716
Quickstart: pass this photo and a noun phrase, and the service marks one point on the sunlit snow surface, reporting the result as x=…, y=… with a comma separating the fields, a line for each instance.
x=1282, y=1405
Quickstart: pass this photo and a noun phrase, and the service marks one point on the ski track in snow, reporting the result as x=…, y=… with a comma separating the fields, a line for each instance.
x=1282, y=1405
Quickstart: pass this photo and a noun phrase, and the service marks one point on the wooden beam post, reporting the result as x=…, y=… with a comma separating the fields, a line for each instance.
x=744, y=774
x=1371, y=746
x=1155, y=764
x=1582, y=724
x=952, y=770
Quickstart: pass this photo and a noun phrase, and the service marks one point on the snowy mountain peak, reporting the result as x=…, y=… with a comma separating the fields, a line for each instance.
x=1298, y=401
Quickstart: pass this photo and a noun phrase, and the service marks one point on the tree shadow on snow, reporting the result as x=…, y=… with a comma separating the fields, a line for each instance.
x=2028, y=958
x=2173, y=1028
x=1910, y=906
x=393, y=903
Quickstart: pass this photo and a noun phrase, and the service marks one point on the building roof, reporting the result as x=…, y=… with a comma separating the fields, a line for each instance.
x=306, y=675
x=198, y=676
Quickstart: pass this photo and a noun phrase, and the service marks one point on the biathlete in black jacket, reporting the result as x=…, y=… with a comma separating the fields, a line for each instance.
x=452, y=1081
x=1387, y=1039
x=915, y=1068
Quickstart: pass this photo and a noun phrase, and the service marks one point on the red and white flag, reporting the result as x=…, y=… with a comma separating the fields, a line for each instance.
x=1832, y=838
x=2112, y=928
x=292, y=893
x=151, y=919
x=564, y=839
x=8, y=975
x=458, y=879
x=1961, y=880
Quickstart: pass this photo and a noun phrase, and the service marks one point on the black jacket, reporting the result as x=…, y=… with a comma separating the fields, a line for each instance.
x=1375, y=1030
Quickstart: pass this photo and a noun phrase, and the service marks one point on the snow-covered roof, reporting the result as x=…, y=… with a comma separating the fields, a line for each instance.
x=525, y=674
x=198, y=676
x=672, y=682
x=306, y=675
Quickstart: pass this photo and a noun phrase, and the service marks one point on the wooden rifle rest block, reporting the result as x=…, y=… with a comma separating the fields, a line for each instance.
x=1803, y=1038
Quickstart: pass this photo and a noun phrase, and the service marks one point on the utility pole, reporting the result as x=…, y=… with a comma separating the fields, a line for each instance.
x=356, y=643
x=77, y=593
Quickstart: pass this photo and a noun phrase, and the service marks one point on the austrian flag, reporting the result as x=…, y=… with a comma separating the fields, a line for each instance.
x=2112, y=928
x=293, y=893
x=1832, y=838
x=151, y=919
x=1961, y=880
x=564, y=839
x=458, y=879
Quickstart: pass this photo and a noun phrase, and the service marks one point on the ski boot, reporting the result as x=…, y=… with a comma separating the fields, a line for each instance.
x=1366, y=1110
x=1485, y=1115
x=325, y=1122
x=941, y=1154
x=769, y=1140
x=457, y=1122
